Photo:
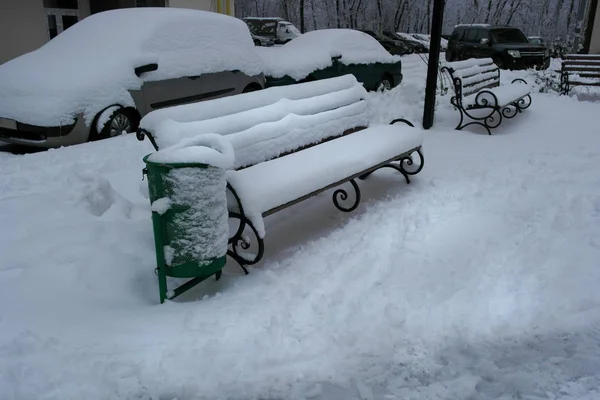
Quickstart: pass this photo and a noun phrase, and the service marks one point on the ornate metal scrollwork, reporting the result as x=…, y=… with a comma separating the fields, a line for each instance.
x=510, y=111
x=239, y=242
x=409, y=162
x=485, y=100
x=342, y=194
x=523, y=103
x=401, y=165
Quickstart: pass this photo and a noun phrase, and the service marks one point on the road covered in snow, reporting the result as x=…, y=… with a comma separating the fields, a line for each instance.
x=479, y=280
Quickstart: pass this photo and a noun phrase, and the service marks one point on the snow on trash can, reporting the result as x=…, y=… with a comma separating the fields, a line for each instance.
x=187, y=187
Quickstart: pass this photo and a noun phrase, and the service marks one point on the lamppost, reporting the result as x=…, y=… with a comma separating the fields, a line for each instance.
x=437, y=21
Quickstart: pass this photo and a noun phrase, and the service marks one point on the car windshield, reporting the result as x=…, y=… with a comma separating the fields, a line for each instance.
x=508, y=36
x=292, y=29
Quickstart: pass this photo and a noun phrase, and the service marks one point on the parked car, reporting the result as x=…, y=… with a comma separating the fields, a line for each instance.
x=391, y=44
x=66, y=93
x=265, y=41
x=279, y=30
x=536, y=40
x=328, y=53
x=409, y=41
x=507, y=46
x=426, y=40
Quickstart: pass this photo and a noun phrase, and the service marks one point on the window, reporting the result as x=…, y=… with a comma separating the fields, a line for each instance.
x=149, y=3
x=471, y=35
x=66, y=4
x=482, y=34
x=509, y=36
x=61, y=15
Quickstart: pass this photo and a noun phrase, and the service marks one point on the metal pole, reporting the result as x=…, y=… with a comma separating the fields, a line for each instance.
x=437, y=21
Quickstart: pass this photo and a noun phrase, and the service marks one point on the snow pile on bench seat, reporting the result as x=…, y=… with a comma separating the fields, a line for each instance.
x=268, y=185
x=91, y=65
x=505, y=94
x=465, y=64
x=227, y=106
x=209, y=148
x=314, y=117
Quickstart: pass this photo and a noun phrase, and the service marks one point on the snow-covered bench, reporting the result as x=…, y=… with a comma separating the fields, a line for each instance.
x=579, y=70
x=479, y=96
x=291, y=143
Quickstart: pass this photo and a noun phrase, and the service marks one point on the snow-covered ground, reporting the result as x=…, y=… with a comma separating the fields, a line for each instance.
x=479, y=280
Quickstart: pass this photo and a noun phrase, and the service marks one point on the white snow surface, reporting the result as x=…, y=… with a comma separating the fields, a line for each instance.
x=278, y=124
x=231, y=114
x=274, y=183
x=314, y=50
x=479, y=280
x=503, y=95
x=208, y=148
x=63, y=78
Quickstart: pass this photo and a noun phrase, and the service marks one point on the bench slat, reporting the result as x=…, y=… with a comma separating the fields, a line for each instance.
x=585, y=75
x=504, y=94
x=575, y=83
x=480, y=78
x=269, y=186
x=480, y=86
x=581, y=64
x=236, y=113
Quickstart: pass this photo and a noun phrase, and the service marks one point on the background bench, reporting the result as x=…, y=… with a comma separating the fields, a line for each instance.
x=579, y=70
x=291, y=143
x=476, y=84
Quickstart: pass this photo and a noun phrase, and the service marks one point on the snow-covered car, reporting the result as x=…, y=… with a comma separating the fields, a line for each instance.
x=426, y=40
x=417, y=45
x=98, y=78
x=278, y=29
x=328, y=53
x=263, y=40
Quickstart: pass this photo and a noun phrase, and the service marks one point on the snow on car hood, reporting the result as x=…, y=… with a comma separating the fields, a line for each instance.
x=91, y=65
x=313, y=50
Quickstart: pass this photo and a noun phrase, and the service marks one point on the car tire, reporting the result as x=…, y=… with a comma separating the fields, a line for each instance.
x=385, y=84
x=120, y=120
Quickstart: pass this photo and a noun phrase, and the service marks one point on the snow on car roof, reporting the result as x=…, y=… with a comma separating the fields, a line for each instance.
x=314, y=50
x=91, y=65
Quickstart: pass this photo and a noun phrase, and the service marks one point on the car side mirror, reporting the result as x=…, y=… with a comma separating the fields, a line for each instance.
x=485, y=41
x=145, y=68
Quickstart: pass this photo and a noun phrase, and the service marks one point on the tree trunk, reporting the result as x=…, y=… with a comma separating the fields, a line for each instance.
x=302, y=21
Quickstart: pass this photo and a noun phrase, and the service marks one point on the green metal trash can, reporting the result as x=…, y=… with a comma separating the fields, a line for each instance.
x=190, y=221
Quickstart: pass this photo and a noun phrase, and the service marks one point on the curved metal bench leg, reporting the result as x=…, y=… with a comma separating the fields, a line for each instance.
x=240, y=243
x=401, y=165
x=342, y=195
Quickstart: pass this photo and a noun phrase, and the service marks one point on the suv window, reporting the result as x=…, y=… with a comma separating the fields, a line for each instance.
x=509, y=35
x=482, y=34
x=471, y=35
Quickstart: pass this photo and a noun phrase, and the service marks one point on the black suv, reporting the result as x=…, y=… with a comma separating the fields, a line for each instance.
x=508, y=47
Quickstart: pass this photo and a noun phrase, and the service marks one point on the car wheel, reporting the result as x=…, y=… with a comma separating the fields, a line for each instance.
x=251, y=88
x=121, y=120
x=385, y=84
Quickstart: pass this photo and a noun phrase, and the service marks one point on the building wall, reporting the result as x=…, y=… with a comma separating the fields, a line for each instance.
x=595, y=42
x=23, y=27
x=206, y=5
x=24, y=24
